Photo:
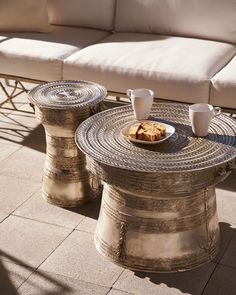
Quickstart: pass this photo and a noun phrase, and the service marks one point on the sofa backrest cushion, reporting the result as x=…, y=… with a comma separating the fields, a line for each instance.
x=97, y=14
x=24, y=16
x=207, y=19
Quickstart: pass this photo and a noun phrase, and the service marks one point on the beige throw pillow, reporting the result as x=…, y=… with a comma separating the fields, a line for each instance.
x=96, y=14
x=23, y=16
x=205, y=19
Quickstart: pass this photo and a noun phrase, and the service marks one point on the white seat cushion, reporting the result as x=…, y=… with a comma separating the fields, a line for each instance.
x=175, y=68
x=223, y=87
x=40, y=56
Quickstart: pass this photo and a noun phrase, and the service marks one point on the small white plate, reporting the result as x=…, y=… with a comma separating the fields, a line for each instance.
x=170, y=130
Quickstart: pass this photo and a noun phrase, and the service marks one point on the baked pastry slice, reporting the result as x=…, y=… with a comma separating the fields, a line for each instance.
x=149, y=131
x=133, y=130
x=140, y=133
x=149, y=135
x=162, y=129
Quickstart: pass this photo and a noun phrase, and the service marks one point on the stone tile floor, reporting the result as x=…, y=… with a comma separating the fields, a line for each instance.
x=48, y=250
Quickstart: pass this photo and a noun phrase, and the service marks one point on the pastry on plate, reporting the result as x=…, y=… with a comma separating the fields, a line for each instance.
x=133, y=130
x=148, y=131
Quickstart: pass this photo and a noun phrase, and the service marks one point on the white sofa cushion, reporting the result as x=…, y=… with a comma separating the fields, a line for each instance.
x=23, y=16
x=223, y=88
x=208, y=19
x=175, y=68
x=40, y=56
x=97, y=14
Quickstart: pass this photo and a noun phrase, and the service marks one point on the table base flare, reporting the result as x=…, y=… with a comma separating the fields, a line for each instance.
x=66, y=181
x=161, y=233
x=158, y=210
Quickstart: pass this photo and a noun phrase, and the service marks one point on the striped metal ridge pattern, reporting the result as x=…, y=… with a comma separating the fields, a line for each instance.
x=100, y=137
x=67, y=94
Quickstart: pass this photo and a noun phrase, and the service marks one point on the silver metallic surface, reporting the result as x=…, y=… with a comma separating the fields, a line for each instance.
x=61, y=107
x=158, y=210
x=67, y=94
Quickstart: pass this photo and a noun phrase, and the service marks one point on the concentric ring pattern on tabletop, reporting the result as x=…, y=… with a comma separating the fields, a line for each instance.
x=100, y=138
x=67, y=94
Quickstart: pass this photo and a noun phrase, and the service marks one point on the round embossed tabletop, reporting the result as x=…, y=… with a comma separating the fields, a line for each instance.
x=67, y=94
x=101, y=138
x=61, y=106
x=158, y=209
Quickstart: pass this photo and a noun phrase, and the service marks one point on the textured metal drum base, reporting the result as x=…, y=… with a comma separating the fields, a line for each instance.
x=61, y=106
x=66, y=181
x=70, y=204
x=161, y=233
x=156, y=266
x=159, y=210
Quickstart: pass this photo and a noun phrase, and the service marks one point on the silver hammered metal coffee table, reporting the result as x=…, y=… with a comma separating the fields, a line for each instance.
x=158, y=208
x=61, y=106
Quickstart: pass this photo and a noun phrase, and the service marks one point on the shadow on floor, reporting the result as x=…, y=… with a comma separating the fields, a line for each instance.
x=90, y=209
x=36, y=140
x=194, y=281
x=229, y=183
x=7, y=286
x=13, y=131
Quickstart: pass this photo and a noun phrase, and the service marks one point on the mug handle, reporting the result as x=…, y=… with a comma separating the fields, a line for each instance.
x=129, y=92
x=217, y=111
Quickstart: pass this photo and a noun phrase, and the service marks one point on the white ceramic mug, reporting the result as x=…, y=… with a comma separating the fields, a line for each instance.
x=141, y=100
x=200, y=115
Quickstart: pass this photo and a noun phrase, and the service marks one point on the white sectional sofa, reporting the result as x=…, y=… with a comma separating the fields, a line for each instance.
x=183, y=50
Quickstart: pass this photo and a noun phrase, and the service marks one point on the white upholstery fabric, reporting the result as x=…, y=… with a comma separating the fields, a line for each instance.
x=208, y=19
x=175, y=68
x=23, y=16
x=2, y=38
x=40, y=56
x=223, y=88
x=98, y=14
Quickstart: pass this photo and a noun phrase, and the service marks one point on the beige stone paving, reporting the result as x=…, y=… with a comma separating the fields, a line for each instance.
x=119, y=292
x=16, y=126
x=191, y=282
x=49, y=283
x=222, y=282
x=27, y=241
x=7, y=149
x=12, y=276
x=77, y=258
x=25, y=164
x=226, y=202
x=229, y=257
x=3, y=216
x=14, y=191
x=50, y=250
x=36, y=208
x=88, y=224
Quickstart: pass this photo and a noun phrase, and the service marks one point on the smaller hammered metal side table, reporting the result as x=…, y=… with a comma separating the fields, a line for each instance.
x=158, y=208
x=61, y=106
